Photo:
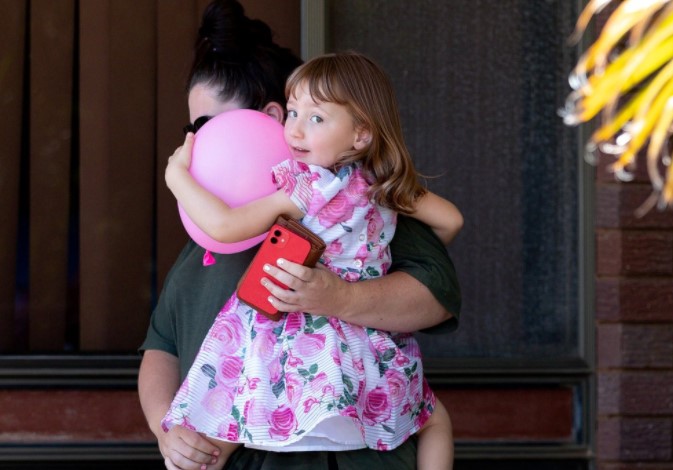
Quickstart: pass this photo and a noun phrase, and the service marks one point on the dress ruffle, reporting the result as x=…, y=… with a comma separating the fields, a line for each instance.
x=273, y=385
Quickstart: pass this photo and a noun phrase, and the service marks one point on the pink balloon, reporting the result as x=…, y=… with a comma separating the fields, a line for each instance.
x=232, y=158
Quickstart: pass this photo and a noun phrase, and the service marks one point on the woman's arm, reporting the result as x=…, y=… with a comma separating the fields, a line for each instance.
x=212, y=215
x=158, y=380
x=421, y=292
x=440, y=215
x=396, y=302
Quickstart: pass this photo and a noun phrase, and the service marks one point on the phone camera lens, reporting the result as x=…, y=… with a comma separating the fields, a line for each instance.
x=274, y=240
x=277, y=233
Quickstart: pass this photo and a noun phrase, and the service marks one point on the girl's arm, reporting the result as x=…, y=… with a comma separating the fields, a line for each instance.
x=441, y=215
x=212, y=215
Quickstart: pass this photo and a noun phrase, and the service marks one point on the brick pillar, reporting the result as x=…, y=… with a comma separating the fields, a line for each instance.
x=634, y=324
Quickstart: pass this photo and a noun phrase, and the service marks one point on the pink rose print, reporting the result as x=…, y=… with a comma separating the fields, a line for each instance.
x=218, y=400
x=423, y=416
x=309, y=344
x=321, y=385
x=229, y=369
x=357, y=189
x=351, y=276
x=384, y=268
x=294, y=386
x=283, y=178
x=350, y=411
x=336, y=354
x=309, y=403
x=264, y=344
x=336, y=325
x=376, y=407
x=397, y=385
x=401, y=360
x=275, y=371
x=334, y=249
x=362, y=253
x=167, y=424
x=293, y=323
x=415, y=385
x=292, y=360
x=255, y=415
x=374, y=224
x=228, y=431
x=338, y=209
x=380, y=445
x=232, y=432
x=226, y=330
x=252, y=383
x=262, y=322
x=283, y=423
x=318, y=201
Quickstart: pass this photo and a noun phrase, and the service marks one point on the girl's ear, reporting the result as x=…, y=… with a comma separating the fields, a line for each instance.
x=275, y=110
x=363, y=137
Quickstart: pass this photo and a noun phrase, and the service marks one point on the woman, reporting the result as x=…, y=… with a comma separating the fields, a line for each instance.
x=237, y=65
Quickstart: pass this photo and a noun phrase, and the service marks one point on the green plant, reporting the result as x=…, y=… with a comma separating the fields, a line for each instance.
x=626, y=78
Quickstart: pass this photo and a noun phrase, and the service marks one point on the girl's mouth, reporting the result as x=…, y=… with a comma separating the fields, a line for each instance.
x=298, y=152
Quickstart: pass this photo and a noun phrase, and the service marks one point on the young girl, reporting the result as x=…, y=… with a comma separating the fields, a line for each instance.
x=308, y=382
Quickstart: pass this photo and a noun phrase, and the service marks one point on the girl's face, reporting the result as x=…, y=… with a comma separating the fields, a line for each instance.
x=320, y=133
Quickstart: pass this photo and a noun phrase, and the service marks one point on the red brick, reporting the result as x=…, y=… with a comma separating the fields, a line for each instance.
x=76, y=416
x=635, y=393
x=616, y=206
x=635, y=346
x=635, y=439
x=642, y=300
x=634, y=253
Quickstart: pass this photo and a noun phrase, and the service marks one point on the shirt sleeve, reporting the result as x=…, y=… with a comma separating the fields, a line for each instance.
x=161, y=333
x=417, y=251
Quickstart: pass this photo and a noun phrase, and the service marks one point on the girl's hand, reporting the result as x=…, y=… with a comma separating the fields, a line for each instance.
x=314, y=290
x=181, y=159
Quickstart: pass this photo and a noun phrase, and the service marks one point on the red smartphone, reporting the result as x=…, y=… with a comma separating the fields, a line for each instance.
x=279, y=243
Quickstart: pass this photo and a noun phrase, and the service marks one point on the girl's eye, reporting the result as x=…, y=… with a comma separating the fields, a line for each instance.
x=316, y=119
x=291, y=113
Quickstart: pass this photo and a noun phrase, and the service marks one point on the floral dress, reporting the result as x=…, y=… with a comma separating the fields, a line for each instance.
x=271, y=384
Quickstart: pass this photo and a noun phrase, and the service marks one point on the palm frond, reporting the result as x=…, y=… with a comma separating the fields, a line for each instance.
x=626, y=78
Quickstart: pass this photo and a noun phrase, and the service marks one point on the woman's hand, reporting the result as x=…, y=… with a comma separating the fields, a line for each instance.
x=313, y=290
x=184, y=449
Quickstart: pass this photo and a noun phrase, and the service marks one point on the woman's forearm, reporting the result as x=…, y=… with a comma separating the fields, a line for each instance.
x=158, y=380
x=396, y=302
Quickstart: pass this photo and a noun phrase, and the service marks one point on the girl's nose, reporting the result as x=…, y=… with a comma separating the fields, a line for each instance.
x=293, y=129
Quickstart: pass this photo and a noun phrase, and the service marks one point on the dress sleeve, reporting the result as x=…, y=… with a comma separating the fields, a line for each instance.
x=417, y=251
x=295, y=178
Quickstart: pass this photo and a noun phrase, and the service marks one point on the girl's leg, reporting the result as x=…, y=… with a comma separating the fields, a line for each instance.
x=435, y=441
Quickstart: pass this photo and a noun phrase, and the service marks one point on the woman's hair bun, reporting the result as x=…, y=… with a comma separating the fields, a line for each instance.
x=227, y=32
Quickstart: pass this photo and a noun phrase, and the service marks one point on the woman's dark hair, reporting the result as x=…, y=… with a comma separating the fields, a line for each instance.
x=238, y=56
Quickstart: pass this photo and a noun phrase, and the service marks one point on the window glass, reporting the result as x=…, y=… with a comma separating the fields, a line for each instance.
x=479, y=85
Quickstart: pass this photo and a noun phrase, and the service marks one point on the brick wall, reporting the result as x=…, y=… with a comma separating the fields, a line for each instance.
x=634, y=324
